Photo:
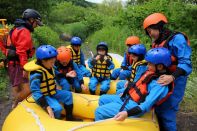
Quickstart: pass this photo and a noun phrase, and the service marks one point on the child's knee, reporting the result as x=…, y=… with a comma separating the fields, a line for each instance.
x=103, y=99
x=98, y=114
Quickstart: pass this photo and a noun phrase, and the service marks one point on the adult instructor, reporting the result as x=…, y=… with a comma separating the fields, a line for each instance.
x=178, y=45
x=19, y=49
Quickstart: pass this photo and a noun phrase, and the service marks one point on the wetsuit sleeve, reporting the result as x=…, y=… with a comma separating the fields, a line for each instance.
x=91, y=62
x=110, y=64
x=61, y=81
x=134, y=111
x=35, y=81
x=182, y=51
x=155, y=93
x=79, y=75
x=82, y=57
x=140, y=70
x=124, y=62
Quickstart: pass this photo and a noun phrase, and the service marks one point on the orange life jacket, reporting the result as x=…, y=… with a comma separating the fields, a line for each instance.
x=164, y=43
x=138, y=90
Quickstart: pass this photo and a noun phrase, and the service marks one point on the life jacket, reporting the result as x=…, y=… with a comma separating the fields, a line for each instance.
x=48, y=84
x=129, y=60
x=65, y=70
x=138, y=90
x=10, y=49
x=76, y=57
x=165, y=43
x=100, y=69
x=134, y=68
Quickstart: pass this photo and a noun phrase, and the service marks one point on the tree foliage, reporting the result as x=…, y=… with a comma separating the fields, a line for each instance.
x=12, y=9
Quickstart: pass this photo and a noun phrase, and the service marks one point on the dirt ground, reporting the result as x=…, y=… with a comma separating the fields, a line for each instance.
x=185, y=121
x=5, y=108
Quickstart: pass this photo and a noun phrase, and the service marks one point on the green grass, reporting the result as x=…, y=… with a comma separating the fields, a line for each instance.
x=189, y=102
x=3, y=83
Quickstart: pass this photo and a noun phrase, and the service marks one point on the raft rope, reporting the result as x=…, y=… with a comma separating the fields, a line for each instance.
x=101, y=121
x=89, y=124
x=88, y=100
x=36, y=117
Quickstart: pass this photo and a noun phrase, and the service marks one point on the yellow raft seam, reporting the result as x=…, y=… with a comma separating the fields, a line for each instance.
x=89, y=101
x=35, y=116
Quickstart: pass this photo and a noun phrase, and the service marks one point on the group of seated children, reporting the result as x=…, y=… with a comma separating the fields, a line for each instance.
x=136, y=93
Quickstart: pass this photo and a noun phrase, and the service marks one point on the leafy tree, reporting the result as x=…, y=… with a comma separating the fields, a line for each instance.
x=82, y=3
x=12, y=9
x=65, y=13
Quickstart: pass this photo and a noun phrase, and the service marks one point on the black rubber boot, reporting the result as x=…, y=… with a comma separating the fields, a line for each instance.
x=92, y=92
x=69, y=115
x=78, y=91
x=102, y=92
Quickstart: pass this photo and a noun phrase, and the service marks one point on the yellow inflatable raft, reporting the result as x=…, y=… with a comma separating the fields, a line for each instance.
x=31, y=117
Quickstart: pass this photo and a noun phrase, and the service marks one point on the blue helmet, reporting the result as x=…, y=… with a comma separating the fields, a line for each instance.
x=159, y=55
x=138, y=49
x=102, y=45
x=76, y=41
x=45, y=52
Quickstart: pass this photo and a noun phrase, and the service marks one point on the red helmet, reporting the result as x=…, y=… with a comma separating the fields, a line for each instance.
x=154, y=19
x=64, y=54
x=132, y=40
